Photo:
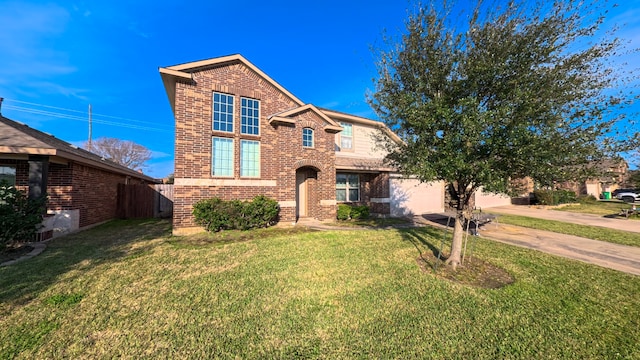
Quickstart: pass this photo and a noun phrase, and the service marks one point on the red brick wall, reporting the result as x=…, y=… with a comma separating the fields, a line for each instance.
x=281, y=148
x=77, y=187
x=375, y=185
x=59, y=187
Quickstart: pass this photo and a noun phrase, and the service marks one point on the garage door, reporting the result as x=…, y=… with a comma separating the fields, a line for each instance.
x=410, y=197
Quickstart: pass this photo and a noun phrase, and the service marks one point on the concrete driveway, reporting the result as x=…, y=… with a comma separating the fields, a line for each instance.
x=569, y=217
x=613, y=256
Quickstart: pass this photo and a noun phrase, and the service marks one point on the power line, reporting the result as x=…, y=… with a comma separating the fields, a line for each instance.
x=83, y=119
x=79, y=111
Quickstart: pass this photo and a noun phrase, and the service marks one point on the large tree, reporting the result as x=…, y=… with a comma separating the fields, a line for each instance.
x=499, y=92
x=124, y=152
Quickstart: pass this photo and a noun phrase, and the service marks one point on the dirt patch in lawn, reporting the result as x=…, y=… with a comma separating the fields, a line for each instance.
x=14, y=252
x=474, y=272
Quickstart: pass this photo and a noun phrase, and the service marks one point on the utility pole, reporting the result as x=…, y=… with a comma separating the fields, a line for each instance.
x=89, y=146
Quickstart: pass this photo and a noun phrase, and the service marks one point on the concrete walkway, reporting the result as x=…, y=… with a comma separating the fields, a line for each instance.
x=618, y=223
x=38, y=247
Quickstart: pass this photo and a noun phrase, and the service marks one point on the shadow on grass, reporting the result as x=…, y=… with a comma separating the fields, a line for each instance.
x=426, y=239
x=22, y=282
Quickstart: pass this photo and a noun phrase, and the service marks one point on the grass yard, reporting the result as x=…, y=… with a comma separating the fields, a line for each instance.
x=612, y=207
x=128, y=289
x=589, y=232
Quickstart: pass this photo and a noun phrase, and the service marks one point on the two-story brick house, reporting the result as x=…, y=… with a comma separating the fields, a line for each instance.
x=240, y=134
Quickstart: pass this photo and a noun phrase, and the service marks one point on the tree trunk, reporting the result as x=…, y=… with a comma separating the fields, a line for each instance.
x=456, y=243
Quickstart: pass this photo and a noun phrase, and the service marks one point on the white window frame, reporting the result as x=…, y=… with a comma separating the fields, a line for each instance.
x=343, y=137
x=311, y=136
x=250, y=171
x=219, y=112
x=230, y=161
x=347, y=187
x=244, y=110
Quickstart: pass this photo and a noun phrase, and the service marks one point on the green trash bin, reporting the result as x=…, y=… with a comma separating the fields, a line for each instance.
x=606, y=195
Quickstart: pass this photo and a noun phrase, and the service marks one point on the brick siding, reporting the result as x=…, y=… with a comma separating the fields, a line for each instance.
x=281, y=151
x=74, y=186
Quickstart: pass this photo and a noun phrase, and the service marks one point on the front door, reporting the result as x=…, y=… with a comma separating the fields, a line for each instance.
x=301, y=193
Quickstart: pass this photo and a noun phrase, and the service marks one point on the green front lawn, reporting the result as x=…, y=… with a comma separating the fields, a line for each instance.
x=128, y=289
x=611, y=207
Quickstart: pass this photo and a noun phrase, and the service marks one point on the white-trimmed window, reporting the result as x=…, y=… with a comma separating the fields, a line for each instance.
x=222, y=159
x=347, y=187
x=8, y=174
x=346, y=136
x=307, y=137
x=222, y=112
x=249, y=158
x=250, y=116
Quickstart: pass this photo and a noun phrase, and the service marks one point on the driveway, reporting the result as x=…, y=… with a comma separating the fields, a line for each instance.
x=569, y=217
x=613, y=256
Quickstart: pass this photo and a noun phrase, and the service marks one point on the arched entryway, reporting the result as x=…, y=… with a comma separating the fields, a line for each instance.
x=306, y=178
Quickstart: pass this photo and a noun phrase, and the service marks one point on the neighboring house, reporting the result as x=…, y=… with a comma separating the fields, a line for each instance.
x=82, y=187
x=613, y=175
x=240, y=134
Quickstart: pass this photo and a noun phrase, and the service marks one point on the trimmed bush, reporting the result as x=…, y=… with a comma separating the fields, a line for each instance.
x=216, y=214
x=20, y=216
x=344, y=212
x=553, y=197
x=360, y=212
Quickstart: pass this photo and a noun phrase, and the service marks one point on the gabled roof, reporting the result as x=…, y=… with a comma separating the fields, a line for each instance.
x=171, y=74
x=19, y=139
x=340, y=116
x=284, y=117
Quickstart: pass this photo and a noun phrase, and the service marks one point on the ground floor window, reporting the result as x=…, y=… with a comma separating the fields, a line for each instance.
x=249, y=158
x=348, y=187
x=222, y=159
x=8, y=174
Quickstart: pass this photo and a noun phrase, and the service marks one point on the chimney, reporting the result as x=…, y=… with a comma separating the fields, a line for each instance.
x=1, y=98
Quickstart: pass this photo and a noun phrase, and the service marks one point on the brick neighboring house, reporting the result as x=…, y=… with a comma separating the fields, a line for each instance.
x=82, y=187
x=240, y=134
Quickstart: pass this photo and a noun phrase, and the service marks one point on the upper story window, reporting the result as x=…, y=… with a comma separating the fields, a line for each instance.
x=250, y=116
x=307, y=137
x=222, y=112
x=8, y=174
x=346, y=136
x=222, y=159
x=249, y=158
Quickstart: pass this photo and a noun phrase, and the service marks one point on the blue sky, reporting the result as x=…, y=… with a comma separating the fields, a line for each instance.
x=67, y=55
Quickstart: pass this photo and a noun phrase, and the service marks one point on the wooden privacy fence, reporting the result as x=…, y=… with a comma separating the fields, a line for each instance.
x=145, y=201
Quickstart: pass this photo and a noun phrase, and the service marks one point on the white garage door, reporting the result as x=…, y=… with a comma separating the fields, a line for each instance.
x=410, y=197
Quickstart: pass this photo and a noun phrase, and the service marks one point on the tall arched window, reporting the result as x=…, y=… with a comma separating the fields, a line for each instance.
x=307, y=137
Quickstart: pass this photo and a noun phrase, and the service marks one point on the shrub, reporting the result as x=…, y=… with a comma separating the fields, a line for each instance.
x=20, y=216
x=215, y=214
x=553, y=197
x=344, y=212
x=211, y=214
x=360, y=212
x=543, y=197
x=564, y=197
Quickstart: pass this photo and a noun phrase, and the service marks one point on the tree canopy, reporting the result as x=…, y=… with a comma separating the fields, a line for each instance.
x=499, y=92
x=124, y=152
